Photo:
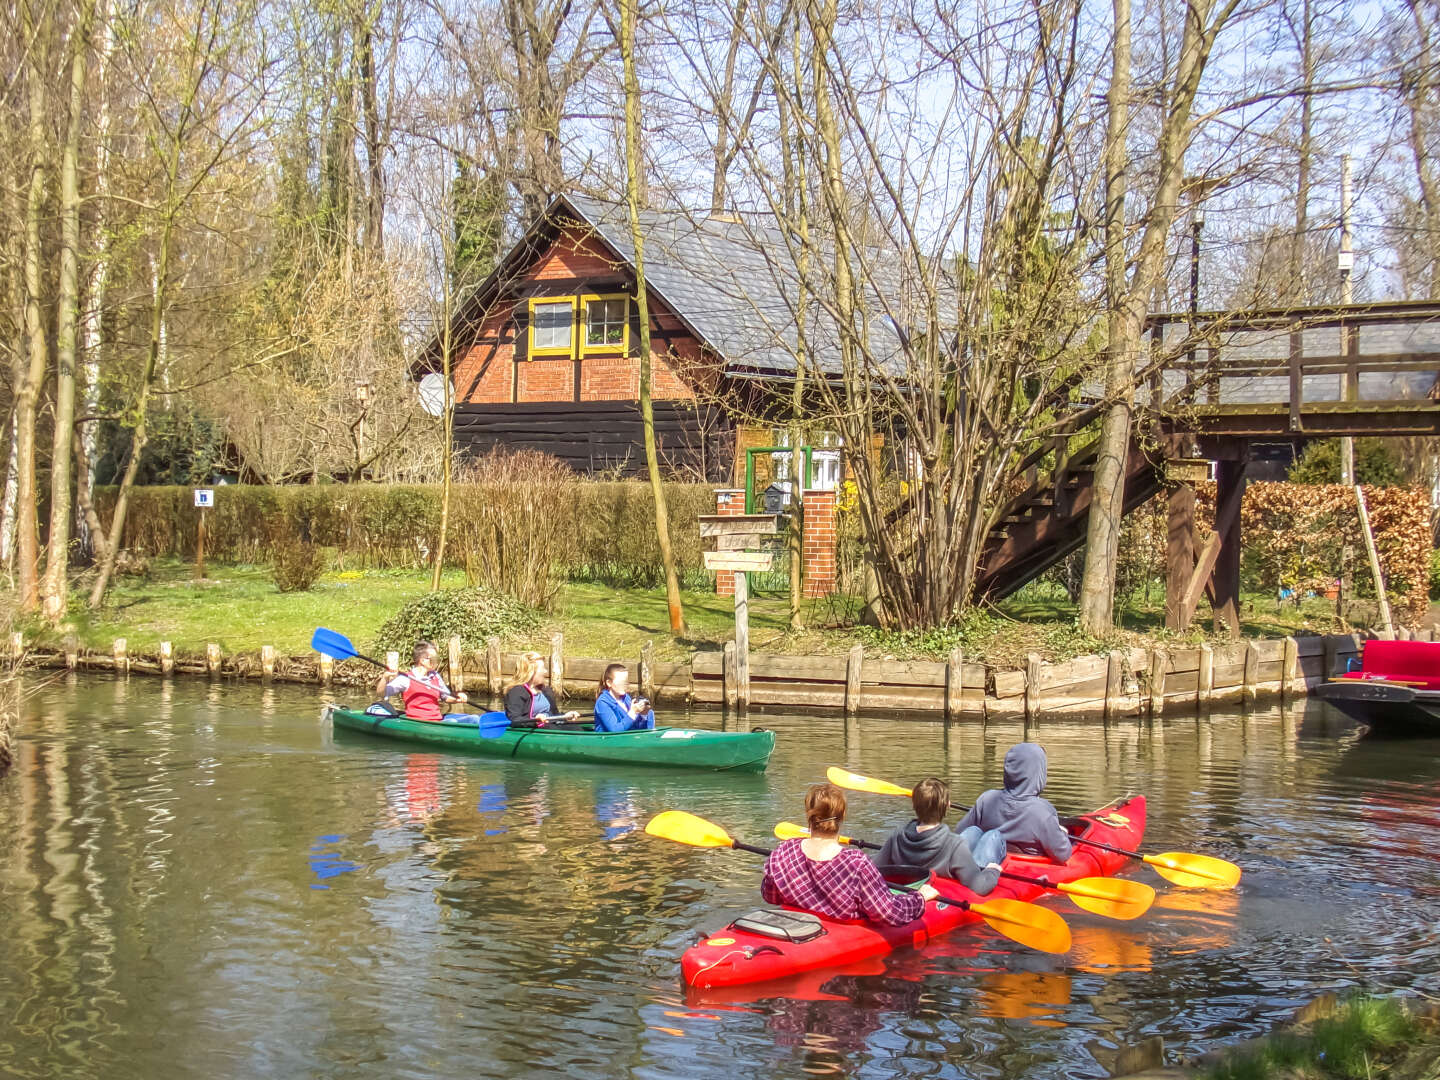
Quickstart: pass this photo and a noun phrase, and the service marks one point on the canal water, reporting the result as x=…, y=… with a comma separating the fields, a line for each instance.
x=206, y=881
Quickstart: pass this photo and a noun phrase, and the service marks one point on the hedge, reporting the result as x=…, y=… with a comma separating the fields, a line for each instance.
x=611, y=524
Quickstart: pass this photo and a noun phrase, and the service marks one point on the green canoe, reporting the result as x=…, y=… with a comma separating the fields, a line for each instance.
x=676, y=748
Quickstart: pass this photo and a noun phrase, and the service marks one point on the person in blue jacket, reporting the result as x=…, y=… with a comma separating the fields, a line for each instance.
x=1028, y=823
x=614, y=709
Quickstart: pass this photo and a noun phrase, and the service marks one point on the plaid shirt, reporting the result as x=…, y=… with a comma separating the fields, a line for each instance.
x=846, y=887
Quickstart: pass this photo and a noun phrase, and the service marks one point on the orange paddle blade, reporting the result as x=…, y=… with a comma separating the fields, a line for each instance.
x=856, y=782
x=1029, y=924
x=686, y=828
x=1191, y=871
x=1114, y=898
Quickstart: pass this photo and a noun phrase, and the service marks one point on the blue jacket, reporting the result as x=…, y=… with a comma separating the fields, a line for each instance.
x=1028, y=822
x=612, y=715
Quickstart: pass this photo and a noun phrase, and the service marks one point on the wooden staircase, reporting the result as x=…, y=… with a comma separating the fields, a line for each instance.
x=1049, y=520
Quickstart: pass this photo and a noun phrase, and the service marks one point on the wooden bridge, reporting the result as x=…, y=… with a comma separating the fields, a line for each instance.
x=1215, y=386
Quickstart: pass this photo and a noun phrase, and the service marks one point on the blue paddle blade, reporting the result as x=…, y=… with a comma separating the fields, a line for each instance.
x=329, y=643
x=492, y=725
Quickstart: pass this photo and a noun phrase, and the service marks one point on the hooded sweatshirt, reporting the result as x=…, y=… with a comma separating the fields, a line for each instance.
x=1028, y=822
x=940, y=850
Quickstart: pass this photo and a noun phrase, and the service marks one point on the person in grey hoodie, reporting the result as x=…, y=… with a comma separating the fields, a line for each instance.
x=971, y=858
x=1028, y=823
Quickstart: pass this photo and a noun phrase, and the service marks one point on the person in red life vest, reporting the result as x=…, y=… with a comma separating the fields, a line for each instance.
x=421, y=689
x=526, y=703
x=817, y=873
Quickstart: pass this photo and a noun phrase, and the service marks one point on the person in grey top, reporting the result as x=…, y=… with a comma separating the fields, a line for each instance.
x=1028, y=822
x=971, y=857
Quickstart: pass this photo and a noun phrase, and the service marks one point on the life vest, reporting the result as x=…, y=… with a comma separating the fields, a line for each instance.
x=422, y=697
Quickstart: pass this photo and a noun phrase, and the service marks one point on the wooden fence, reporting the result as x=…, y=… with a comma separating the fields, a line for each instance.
x=1122, y=683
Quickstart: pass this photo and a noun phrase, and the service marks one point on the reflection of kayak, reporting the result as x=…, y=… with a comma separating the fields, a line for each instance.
x=733, y=956
x=688, y=748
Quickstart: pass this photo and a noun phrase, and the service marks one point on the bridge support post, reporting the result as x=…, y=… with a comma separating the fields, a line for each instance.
x=1179, y=554
x=1229, y=489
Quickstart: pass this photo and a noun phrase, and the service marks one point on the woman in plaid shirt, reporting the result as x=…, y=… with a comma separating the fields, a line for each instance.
x=819, y=874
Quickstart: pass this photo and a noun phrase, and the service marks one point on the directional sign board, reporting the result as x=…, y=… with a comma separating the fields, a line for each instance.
x=204, y=498
x=743, y=524
x=738, y=560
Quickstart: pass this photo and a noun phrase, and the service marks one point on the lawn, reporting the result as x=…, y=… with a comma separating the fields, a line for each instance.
x=240, y=609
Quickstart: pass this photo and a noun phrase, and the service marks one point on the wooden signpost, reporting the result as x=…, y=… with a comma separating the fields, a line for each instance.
x=733, y=537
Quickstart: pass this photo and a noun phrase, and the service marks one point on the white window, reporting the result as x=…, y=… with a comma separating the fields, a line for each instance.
x=550, y=325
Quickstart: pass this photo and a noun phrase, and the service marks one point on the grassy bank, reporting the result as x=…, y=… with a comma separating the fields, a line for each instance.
x=240, y=609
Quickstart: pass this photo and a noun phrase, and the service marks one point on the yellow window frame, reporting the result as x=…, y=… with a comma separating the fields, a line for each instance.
x=586, y=349
x=554, y=350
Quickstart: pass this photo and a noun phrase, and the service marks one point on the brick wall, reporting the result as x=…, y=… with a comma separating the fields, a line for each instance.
x=545, y=379
x=819, y=542
x=485, y=373
x=728, y=503
x=574, y=254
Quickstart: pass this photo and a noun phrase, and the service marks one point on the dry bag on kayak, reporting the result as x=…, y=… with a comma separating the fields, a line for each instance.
x=794, y=926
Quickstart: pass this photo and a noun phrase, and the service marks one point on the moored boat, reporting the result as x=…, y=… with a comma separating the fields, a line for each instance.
x=1396, y=691
x=735, y=956
x=667, y=747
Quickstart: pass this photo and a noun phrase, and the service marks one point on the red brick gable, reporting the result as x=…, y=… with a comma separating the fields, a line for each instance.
x=493, y=370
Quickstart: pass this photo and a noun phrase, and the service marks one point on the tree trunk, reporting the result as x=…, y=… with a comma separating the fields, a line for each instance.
x=1097, y=589
x=1128, y=306
x=374, y=143
x=629, y=16
x=142, y=403
x=1296, y=291
x=448, y=427
x=54, y=592
x=27, y=393
x=10, y=496
x=1420, y=86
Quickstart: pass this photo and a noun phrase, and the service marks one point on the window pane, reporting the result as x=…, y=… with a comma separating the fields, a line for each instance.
x=605, y=322
x=552, y=325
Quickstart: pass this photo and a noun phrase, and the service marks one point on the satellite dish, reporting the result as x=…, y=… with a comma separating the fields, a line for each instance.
x=432, y=393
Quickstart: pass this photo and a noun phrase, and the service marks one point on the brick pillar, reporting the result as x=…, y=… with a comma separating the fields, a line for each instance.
x=729, y=502
x=819, y=542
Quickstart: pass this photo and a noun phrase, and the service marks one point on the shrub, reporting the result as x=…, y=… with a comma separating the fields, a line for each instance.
x=297, y=565
x=1435, y=574
x=472, y=613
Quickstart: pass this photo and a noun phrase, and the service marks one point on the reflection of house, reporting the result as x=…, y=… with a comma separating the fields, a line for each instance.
x=545, y=353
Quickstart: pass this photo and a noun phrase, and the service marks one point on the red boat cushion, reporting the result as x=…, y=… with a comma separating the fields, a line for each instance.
x=1408, y=661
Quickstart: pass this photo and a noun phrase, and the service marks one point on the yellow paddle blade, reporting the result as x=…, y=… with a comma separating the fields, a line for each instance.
x=686, y=828
x=788, y=830
x=1191, y=871
x=1030, y=924
x=1112, y=897
x=856, y=782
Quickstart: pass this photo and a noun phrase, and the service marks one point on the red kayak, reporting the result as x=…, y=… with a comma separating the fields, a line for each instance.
x=735, y=956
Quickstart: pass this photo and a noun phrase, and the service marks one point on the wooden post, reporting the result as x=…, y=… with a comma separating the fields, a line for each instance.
x=853, y=665
x=646, y=674
x=1229, y=489
x=1205, y=677
x=742, y=639
x=1159, y=661
x=456, y=660
x=1251, y=678
x=212, y=660
x=1289, y=668
x=1179, y=554
x=730, y=674
x=200, y=547
x=955, y=685
x=167, y=658
x=492, y=666
x=1032, y=685
x=557, y=665
x=327, y=669
x=267, y=662
x=72, y=650
x=120, y=655
x=1113, y=687
x=1331, y=654
x=1387, y=627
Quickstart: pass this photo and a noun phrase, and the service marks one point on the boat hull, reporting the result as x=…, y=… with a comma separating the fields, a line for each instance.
x=732, y=957
x=1387, y=709
x=673, y=748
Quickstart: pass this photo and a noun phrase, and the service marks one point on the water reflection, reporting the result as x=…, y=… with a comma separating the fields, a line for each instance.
x=197, y=877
